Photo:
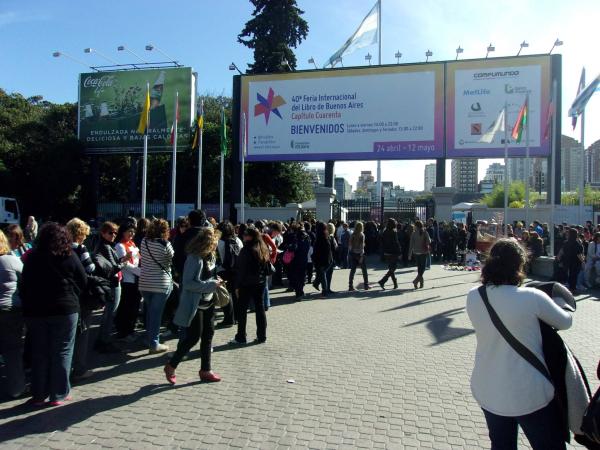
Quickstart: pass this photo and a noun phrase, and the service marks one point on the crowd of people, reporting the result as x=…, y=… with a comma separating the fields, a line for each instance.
x=143, y=274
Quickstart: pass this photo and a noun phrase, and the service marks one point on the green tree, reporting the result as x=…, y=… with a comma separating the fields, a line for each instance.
x=275, y=29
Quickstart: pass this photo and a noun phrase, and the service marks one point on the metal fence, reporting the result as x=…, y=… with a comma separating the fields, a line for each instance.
x=400, y=209
x=116, y=210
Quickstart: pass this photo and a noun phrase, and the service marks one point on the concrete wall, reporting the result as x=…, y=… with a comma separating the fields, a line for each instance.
x=541, y=213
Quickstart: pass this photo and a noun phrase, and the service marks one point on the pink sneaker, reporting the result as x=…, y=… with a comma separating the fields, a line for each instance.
x=60, y=402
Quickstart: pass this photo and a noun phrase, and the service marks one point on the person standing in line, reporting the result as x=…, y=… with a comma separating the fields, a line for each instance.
x=572, y=257
x=196, y=311
x=16, y=240
x=228, y=248
x=130, y=295
x=420, y=244
x=300, y=242
x=273, y=252
x=31, y=229
x=79, y=231
x=251, y=269
x=357, y=256
x=334, y=248
x=309, y=263
x=108, y=265
x=197, y=221
x=510, y=391
x=322, y=257
x=11, y=321
x=391, y=252
x=140, y=231
x=592, y=265
x=344, y=245
x=53, y=278
x=156, y=281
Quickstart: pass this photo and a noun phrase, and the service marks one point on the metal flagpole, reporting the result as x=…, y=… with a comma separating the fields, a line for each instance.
x=199, y=199
x=527, y=162
x=174, y=162
x=506, y=185
x=553, y=168
x=242, y=181
x=582, y=178
x=145, y=161
x=379, y=190
x=222, y=183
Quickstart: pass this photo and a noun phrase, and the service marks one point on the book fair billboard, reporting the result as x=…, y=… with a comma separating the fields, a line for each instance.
x=110, y=104
x=476, y=94
x=387, y=112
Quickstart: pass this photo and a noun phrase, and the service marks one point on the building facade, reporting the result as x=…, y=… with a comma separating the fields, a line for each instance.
x=343, y=189
x=464, y=174
x=429, y=177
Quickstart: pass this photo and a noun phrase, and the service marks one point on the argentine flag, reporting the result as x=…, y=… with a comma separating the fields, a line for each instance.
x=366, y=34
x=584, y=96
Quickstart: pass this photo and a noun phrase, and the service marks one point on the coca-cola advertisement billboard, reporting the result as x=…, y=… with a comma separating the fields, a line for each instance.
x=110, y=105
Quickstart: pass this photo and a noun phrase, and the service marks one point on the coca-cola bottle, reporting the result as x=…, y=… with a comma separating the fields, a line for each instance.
x=157, y=90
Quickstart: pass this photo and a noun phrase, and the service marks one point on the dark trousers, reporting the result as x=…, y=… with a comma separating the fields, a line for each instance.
x=52, y=340
x=421, y=261
x=573, y=270
x=128, y=309
x=392, y=263
x=296, y=272
x=11, y=349
x=542, y=428
x=309, y=272
x=358, y=261
x=82, y=338
x=229, y=309
x=248, y=295
x=202, y=328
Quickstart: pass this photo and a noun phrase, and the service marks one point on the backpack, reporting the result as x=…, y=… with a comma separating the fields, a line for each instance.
x=232, y=250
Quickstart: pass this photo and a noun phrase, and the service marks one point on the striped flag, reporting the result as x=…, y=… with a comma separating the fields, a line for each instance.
x=580, y=87
x=517, y=131
x=582, y=98
x=199, y=123
x=145, y=115
x=549, y=115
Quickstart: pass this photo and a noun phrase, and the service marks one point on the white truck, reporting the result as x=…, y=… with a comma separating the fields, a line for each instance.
x=9, y=211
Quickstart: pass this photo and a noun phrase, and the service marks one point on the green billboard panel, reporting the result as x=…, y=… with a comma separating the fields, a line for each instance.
x=110, y=105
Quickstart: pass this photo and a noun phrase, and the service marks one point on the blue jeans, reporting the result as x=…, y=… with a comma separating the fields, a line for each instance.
x=52, y=342
x=154, y=303
x=542, y=428
x=11, y=349
x=266, y=297
x=108, y=316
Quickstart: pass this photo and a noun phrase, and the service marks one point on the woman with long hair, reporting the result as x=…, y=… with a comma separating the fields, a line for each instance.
x=420, y=244
x=156, y=279
x=572, y=257
x=53, y=278
x=196, y=311
x=11, y=320
x=334, y=248
x=251, y=270
x=16, y=240
x=357, y=256
x=228, y=249
x=509, y=389
x=130, y=295
x=322, y=257
x=391, y=252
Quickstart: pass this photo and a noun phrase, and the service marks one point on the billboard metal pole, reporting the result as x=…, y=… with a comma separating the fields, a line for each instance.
x=145, y=163
x=174, y=161
x=379, y=190
x=222, y=181
x=527, y=162
x=199, y=199
x=582, y=177
x=553, y=165
x=242, y=180
x=506, y=185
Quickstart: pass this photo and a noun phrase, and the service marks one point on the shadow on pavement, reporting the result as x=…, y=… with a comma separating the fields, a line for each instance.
x=439, y=326
x=61, y=418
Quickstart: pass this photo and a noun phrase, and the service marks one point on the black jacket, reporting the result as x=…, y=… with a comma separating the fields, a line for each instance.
x=51, y=285
x=179, y=246
x=248, y=270
x=322, y=252
x=108, y=264
x=389, y=242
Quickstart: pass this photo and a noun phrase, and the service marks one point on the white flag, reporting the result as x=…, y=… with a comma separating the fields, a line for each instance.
x=366, y=34
x=496, y=127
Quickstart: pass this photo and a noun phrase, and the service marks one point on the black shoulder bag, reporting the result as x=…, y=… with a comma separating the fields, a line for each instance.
x=163, y=268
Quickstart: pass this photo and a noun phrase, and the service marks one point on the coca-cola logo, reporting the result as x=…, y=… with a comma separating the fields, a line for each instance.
x=99, y=83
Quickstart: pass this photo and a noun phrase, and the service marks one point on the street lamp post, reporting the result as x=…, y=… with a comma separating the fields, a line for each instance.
x=459, y=50
x=368, y=58
x=490, y=49
x=398, y=55
x=151, y=47
x=557, y=43
x=523, y=45
x=232, y=66
x=428, y=53
x=90, y=50
x=66, y=55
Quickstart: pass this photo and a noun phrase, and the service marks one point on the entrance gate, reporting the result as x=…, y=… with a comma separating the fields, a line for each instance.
x=403, y=210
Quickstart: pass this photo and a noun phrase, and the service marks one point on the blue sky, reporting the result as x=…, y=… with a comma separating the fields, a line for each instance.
x=203, y=34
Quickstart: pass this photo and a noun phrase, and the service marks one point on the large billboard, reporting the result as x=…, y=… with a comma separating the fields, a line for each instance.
x=476, y=93
x=391, y=112
x=110, y=104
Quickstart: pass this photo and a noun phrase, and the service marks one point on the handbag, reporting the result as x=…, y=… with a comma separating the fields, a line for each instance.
x=221, y=296
x=288, y=257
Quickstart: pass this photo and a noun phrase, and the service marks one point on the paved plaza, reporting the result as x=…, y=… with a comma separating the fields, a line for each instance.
x=376, y=369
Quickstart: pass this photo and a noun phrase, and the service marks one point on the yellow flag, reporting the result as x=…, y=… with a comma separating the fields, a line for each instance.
x=145, y=115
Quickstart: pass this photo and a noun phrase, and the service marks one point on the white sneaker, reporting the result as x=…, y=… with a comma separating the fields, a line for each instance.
x=160, y=348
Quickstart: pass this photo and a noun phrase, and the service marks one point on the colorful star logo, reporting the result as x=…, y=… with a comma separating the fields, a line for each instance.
x=268, y=105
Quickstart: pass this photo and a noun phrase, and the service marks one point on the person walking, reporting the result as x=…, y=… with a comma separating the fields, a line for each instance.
x=510, y=390
x=156, y=281
x=108, y=265
x=391, y=252
x=53, y=278
x=196, y=311
x=420, y=245
x=357, y=256
x=11, y=321
x=251, y=270
x=130, y=295
x=322, y=257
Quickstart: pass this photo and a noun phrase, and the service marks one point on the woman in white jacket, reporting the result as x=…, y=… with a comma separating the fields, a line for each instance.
x=508, y=388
